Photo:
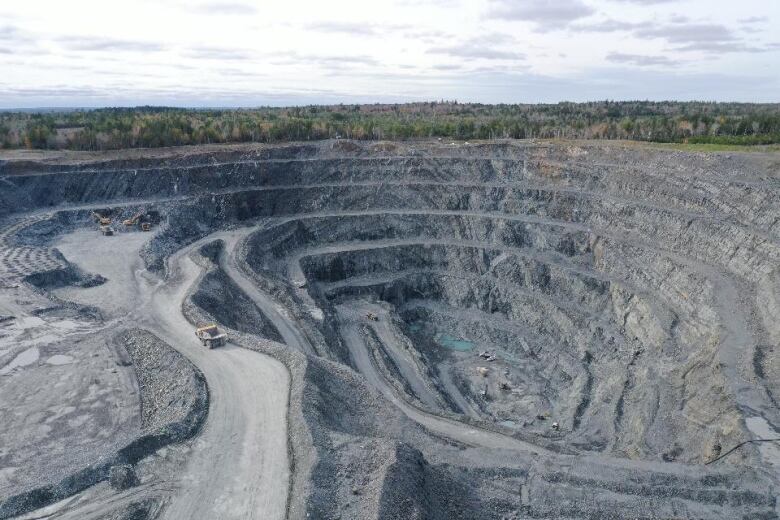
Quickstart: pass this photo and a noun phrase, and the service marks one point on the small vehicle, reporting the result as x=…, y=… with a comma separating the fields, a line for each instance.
x=107, y=231
x=210, y=336
x=146, y=226
x=370, y=316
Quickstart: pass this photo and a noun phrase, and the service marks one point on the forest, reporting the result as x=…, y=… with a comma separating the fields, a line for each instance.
x=149, y=127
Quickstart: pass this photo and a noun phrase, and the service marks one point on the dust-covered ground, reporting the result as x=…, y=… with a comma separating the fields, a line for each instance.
x=417, y=330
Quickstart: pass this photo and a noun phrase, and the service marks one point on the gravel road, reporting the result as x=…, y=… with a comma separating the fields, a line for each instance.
x=238, y=466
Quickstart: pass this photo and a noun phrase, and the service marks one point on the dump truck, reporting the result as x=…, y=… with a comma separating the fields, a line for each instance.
x=210, y=336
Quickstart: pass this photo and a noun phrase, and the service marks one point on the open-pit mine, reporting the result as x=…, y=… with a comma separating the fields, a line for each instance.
x=379, y=330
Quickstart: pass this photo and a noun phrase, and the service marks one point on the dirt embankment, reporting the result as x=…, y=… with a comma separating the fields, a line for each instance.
x=174, y=405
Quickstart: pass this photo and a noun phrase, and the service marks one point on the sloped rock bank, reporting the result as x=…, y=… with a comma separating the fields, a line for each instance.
x=517, y=330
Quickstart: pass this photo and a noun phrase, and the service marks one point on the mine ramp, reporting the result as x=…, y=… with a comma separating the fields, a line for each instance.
x=210, y=336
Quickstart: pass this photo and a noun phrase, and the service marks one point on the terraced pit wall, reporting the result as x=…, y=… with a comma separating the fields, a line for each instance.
x=626, y=291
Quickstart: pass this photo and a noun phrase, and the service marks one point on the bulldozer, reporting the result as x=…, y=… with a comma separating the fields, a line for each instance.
x=210, y=336
x=100, y=219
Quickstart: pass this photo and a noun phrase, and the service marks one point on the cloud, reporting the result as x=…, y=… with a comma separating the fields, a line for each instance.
x=489, y=46
x=227, y=8
x=547, y=15
x=725, y=47
x=608, y=26
x=240, y=73
x=683, y=34
x=357, y=28
x=435, y=3
x=494, y=38
x=648, y=2
x=218, y=53
x=471, y=51
x=343, y=27
x=490, y=87
x=339, y=61
x=90, y=43
x=640, y=60
x=688, y=33
x=15, y=35
x=701, y=37
x=428, y=36
x=447, y=67
x=754, y=19
x=346, y=59
x=7, y=32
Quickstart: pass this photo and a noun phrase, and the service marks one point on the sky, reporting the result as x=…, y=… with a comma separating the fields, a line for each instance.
x=231, y=53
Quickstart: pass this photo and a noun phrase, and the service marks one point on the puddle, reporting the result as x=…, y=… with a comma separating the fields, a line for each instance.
x=59, y=359
x=450, y=342
x=28, y=357
x=442, y=339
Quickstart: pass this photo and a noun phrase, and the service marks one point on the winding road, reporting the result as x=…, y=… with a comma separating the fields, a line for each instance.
x=238, y=467
x=456, y=430
x=290, y=332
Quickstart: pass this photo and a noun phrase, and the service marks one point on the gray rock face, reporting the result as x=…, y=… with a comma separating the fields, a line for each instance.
x=122, y=476
x=174, y=396
x=614, y=308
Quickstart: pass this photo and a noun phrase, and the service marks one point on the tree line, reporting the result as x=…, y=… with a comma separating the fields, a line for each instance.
x=150, y=127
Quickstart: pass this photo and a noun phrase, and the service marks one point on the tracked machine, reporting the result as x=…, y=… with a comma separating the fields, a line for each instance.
x=136, y=220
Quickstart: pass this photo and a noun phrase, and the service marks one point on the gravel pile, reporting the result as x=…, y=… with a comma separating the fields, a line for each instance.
x=174, y=396
x=174, y=406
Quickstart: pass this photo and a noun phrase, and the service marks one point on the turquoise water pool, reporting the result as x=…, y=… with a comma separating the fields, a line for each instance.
x=447, y=341
x=441, y=339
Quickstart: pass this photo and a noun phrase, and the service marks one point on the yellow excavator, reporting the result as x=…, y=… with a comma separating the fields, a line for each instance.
x=100, y=219
x=132, y=221
x=136, y=219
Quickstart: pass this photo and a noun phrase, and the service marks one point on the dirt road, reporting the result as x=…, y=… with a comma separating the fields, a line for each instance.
x=459, y=431
x=291, y=334
x=238, y=466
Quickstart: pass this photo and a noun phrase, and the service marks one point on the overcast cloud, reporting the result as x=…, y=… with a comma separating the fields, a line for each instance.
x=257, y=52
